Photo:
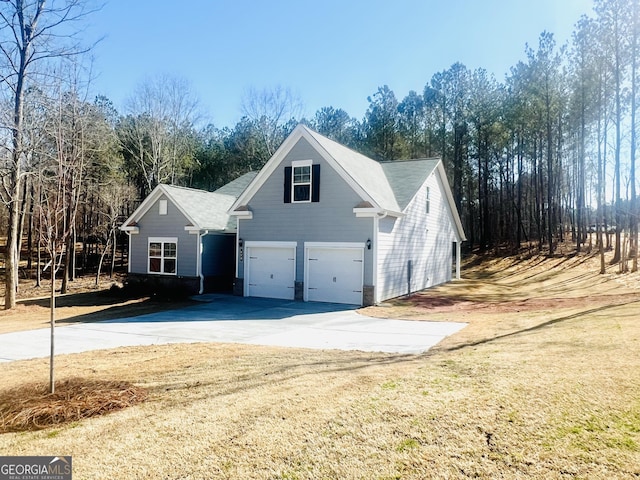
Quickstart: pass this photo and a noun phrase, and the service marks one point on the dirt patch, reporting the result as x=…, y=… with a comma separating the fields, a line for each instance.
x=515, y=285
x=425, y=304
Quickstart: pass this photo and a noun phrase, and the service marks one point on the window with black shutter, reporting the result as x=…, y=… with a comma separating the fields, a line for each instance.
x=302, y=183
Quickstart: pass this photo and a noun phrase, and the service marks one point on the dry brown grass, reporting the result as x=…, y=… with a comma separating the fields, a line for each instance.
x=31, y=406
x=537, y=386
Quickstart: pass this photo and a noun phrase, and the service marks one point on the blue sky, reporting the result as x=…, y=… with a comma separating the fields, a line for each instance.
x=329, y=52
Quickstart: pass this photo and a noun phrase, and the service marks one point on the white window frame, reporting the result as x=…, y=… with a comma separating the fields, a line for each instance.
x=162, y=241
x=299, y=164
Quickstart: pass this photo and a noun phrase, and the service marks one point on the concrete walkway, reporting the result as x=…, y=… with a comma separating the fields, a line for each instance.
x=228, y=319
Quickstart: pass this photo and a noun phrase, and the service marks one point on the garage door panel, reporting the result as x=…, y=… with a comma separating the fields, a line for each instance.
x=271, y=272
x=335, y=275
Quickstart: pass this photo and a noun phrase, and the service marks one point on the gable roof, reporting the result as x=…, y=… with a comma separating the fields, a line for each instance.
x=203, y=210
x=362, y=173
x=366, y=172
x=407, y=176
x=385, y=186
x=237, y=186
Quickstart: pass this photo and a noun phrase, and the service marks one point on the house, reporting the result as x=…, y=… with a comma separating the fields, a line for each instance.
x=183, y=239
x=321, y=222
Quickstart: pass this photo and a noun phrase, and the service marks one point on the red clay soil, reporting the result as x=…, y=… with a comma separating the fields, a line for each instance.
x=440, y=304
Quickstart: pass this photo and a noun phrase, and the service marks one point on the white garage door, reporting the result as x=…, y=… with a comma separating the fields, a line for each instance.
x=270, y=272
x=334, y=274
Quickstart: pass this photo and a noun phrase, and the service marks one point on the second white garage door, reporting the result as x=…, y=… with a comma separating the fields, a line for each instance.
x=334, y=274
x=270, y=270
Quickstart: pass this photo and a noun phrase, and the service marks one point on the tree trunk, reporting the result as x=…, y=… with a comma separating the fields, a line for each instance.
x=11, y=253
x=52, y=319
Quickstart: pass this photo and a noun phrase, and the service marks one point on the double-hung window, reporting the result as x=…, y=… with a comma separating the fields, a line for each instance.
x=163, y=255
x=302, y=183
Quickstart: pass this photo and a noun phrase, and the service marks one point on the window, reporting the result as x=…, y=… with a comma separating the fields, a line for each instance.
x=302, y=182
x=427, y=201
x=163, y=255
x=163, y=207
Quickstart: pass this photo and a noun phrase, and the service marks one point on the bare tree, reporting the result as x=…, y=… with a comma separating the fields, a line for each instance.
x=156, y=134
x=112, y=195
x=32, y=33
x=54, y=231
x=271, y=110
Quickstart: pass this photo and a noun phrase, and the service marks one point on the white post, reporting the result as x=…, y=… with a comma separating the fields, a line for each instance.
x=458, y=251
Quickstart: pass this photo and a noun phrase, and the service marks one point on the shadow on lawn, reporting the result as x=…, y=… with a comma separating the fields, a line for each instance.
x=115, y=306
x=537, y=327
x=291, y=369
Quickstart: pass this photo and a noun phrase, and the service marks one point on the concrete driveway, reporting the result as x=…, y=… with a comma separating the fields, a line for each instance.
x=228, y=319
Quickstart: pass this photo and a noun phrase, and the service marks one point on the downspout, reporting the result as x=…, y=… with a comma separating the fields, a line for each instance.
x=199, y=260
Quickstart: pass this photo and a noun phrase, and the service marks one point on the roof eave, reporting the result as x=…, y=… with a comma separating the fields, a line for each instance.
x=376, y=212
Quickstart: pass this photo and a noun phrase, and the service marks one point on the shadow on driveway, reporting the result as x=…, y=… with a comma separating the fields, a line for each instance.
x=228, y=319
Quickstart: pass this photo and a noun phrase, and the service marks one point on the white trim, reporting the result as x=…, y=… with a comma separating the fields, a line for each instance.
x=301, y=163
x=360, y=246
x=452, y=204
x=129, y=254
x=133, y=230
x=199, y=250
x=248, y=214
x=374, y=212
x=277, y=158
x=237, y=246
x=270, y=244
x=374, y=262
x=265, y=244
x=161, y=241
x=302, y=184
x=148, y=202
x=366, y=212
x=334, y=245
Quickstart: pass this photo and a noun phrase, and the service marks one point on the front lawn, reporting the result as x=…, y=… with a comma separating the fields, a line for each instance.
x=543, y=383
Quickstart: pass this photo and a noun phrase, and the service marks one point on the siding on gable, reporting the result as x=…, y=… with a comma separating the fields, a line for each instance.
x=330, y=220
x=170, y=225
x=423, y=239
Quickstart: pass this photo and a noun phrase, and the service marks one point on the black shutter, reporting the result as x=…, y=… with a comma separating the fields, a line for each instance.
x=287, y=184
x=315, y=183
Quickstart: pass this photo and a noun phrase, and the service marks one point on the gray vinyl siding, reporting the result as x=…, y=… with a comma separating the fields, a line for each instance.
x=330, y=220
x=170, y=225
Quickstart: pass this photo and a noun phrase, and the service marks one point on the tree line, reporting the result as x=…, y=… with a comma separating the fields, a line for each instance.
x=545, y=155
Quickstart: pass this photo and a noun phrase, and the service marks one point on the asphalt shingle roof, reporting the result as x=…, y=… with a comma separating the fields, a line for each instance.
x=365, y=171
x=207, y=210
x=390, y=184
x=237, y=186
x=407, y=176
